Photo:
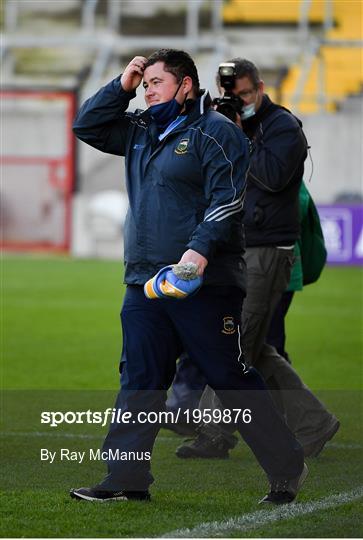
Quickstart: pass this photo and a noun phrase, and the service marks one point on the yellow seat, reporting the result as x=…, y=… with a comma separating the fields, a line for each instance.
x=270, y=11
x=336, y=72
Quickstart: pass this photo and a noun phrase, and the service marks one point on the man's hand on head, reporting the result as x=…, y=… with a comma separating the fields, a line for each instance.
x=133, y=74
x=194, y=257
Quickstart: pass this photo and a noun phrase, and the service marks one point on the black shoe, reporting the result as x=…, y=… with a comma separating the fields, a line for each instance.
x=91, y=494
x=314, y=448
x=285, y=491
x=206, y=447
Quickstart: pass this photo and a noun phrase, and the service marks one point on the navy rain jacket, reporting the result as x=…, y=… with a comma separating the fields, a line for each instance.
x=185, y=191
x=276, y=170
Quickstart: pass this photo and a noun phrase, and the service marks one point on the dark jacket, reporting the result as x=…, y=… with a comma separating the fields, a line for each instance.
x=276, y=171
x=184, y=192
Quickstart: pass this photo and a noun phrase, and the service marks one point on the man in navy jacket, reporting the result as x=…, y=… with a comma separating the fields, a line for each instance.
x=186, y=166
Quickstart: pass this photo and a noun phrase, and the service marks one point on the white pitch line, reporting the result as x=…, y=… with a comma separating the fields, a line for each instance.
x=241, y=524
x=344, y=446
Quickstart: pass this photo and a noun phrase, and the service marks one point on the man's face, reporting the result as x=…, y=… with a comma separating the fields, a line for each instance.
x=245, y=89
x=160, y=86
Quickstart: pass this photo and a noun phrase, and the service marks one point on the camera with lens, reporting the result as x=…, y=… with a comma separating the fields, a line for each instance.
x=228, y=104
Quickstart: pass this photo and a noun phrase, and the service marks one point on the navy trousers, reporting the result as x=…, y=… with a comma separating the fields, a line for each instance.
x=189, y=383
x=207, y=326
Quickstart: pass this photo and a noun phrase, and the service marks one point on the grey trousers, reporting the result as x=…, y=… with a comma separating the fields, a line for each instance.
x=268, y=274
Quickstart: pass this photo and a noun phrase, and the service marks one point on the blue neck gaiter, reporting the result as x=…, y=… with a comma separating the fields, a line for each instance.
x=165, y=113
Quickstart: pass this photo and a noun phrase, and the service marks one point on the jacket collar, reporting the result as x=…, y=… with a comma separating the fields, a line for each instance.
x=194, y=109
x=197, y=107
x=266, y=109
x=251, y=124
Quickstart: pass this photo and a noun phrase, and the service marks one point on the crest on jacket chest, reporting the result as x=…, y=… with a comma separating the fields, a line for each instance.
x=182, y=147
x=228, y=325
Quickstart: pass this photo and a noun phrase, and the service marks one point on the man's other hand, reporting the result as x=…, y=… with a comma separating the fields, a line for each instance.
x=134, y=71
x=194, y=257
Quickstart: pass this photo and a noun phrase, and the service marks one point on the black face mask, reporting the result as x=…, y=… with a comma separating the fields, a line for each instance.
x=165, y=113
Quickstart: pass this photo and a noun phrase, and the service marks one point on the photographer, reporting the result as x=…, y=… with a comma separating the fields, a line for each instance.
x=271, y=221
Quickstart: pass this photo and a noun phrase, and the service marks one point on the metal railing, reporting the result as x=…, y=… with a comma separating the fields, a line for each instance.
x=107, y=42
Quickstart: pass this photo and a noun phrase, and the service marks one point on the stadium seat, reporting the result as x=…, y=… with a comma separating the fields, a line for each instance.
x=336, y=70
x=266, y=12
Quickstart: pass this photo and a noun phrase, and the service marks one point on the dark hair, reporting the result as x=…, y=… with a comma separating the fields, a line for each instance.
x=179, y=63
x=245, y=68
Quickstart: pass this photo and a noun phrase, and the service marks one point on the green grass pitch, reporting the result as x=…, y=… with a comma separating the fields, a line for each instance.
x=61, y=343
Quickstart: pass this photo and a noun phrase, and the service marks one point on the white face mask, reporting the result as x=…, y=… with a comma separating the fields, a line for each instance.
x=249, y=110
